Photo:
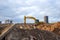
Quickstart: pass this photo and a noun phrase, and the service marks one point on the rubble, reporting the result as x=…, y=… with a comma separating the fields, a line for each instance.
x=34, y=34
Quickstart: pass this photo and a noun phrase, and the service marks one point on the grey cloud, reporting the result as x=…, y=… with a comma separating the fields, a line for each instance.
x=14, y=9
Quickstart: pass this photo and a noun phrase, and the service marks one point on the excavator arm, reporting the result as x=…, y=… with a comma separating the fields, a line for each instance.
x=30, y=17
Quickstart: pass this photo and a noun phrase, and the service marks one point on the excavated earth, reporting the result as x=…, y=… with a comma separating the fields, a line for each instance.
x=33, y=34
x=29, y=34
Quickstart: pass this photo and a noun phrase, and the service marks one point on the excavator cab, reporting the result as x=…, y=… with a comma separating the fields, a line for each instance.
x=36, y=21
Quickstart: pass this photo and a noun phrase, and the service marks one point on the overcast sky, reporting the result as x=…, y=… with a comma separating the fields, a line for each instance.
x=17, y=9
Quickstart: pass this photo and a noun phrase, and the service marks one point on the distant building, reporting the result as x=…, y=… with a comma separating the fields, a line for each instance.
x=8, y=21
x=46, y=19
x=0, y=22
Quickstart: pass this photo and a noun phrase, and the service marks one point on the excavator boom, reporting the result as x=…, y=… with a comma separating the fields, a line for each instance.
x=30, y=17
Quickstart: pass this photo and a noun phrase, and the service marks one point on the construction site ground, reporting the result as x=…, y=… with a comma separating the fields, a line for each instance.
x=30, y=31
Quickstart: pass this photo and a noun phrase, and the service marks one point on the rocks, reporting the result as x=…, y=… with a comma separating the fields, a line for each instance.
x=30, y=33
x=34, y=34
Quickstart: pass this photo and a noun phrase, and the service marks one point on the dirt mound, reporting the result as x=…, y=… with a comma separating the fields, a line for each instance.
x=34, y=34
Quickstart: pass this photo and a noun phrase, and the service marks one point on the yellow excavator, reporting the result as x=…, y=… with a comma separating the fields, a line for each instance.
x=30, y=17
